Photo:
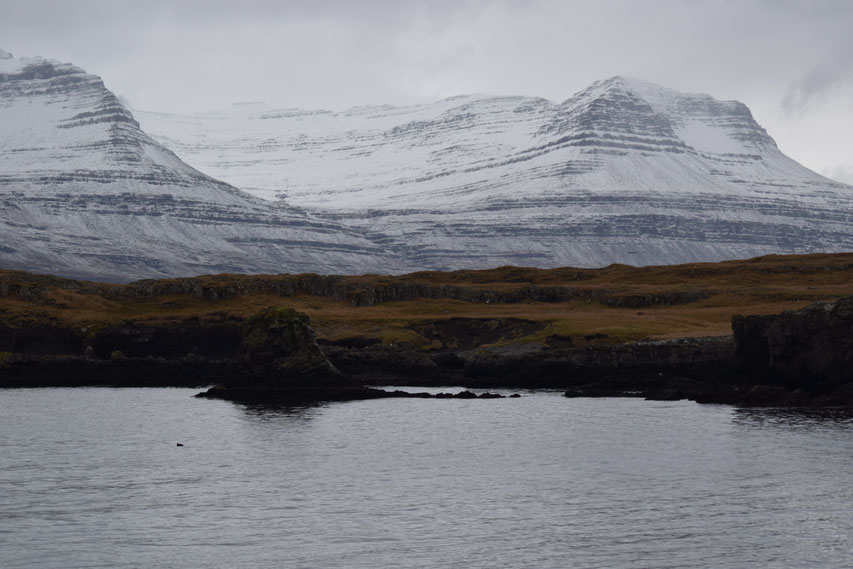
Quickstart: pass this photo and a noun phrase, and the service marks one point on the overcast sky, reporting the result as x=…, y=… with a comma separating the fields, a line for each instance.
x=790, y=61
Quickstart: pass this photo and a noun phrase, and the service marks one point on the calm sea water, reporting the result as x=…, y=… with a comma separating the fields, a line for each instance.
x=93, y=478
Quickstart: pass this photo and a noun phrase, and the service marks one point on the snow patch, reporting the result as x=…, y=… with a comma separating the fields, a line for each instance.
x=705, y=137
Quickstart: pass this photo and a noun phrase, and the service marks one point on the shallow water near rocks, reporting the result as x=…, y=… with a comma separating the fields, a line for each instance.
x=93, y=478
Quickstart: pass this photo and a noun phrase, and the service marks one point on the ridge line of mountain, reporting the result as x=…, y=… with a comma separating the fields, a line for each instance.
x=623, y=171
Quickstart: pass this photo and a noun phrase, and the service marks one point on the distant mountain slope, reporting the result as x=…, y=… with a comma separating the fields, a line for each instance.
x=86, y=193
x=624, y=171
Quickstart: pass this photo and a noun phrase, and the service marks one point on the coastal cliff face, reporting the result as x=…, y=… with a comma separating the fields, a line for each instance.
x=815, y=343
x=574, y=329
x=702, y=369
x=793, y=359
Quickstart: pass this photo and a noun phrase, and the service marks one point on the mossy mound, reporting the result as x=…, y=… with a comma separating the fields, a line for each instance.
x=280, y=351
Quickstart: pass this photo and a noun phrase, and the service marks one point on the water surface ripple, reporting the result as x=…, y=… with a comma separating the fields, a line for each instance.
x=93, y=478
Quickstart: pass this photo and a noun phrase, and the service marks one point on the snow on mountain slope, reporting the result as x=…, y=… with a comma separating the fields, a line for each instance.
x=86, y=193
x=624, y=171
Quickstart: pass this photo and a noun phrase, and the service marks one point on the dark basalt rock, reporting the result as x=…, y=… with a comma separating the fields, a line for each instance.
x=697, y=369
x=286, y=396
x=281, y=363
x=466, y=394
x=802, y=358
x=809, y=350
x=17, y=371
x=389, y=365
x=280, y=358
x=278, y=344
x=634, y=364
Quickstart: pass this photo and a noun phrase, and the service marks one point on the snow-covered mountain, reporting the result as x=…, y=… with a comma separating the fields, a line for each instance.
x=86, y=193
x=624, y=171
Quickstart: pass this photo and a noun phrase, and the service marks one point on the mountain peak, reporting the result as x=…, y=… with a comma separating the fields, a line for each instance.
x=625, y=171
x=627, y=106
x=621, y=81
x=87, y=193
x=27, y=68
x=634, y=87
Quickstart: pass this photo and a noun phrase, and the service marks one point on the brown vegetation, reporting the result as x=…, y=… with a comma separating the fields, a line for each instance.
x=614, y=304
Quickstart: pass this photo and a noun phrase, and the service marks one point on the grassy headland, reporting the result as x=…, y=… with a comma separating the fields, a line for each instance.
x=451, y=310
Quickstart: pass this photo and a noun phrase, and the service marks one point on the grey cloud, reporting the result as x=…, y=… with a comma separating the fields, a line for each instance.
x=833, y=73
x=840, y=173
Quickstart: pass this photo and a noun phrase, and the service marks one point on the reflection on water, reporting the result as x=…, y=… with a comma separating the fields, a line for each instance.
x=93, y=478
x=833, y=418
x=278, y=412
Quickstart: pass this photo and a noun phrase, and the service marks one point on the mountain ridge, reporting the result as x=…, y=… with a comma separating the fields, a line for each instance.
x=623, y=171
x=87, y=193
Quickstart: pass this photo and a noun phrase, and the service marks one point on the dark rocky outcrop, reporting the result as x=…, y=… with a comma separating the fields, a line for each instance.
x=807, y=353
x=212, y=339
x=40, y=340
x=802, y=358
x=793, y=359
x=280, y=359
x=693, y=357
x=18, y=370
x=281, y=362
x=279, y=345
x=469, y=333
x=215, y=336
x=815, y=342
x=388, y=365
x=534, y=366
x=703, y=369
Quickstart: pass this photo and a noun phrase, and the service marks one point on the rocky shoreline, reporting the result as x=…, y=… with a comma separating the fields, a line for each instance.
x=706, y=370
x=802, y=358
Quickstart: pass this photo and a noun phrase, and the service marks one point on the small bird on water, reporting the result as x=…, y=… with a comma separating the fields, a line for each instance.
x=180, y=444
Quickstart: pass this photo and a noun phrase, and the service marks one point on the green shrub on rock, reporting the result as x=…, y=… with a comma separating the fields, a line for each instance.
x=8, y=358
x=279, y=346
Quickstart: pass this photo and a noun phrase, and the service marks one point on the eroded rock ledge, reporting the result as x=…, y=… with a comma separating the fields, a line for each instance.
x=802, y=358
x=281, y=362
x=799, y=356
